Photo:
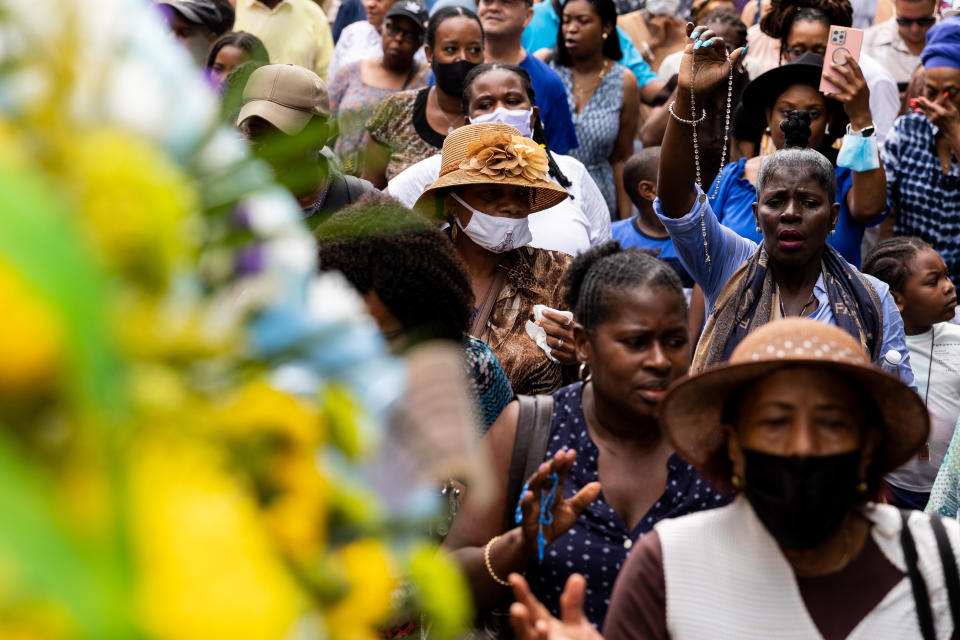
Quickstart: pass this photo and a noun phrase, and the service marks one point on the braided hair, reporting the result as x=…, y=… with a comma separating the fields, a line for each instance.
x=381, y=246
x=609, y=267
x=538, y=134
x=731, y=19
x=890, y=260
x=796, y=158
x=783, y=14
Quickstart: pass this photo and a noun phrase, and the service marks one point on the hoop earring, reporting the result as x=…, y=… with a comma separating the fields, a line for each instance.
x=584, y=372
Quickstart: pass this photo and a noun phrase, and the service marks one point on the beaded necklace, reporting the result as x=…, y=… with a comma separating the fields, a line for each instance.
x=693, y=122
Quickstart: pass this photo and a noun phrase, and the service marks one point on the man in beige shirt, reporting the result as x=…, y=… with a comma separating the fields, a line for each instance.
x=294, y=31
x=897, y=43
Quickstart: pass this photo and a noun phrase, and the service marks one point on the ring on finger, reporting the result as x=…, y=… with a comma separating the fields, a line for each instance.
x=559, y=343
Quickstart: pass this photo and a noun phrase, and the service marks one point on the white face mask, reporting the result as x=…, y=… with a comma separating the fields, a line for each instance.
x=494, y=233
x=519, y=119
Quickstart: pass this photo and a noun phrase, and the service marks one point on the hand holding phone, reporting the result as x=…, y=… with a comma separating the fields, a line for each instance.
x=844, y=43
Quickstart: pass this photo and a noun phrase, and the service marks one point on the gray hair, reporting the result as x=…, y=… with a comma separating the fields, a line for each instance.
x=799, y=162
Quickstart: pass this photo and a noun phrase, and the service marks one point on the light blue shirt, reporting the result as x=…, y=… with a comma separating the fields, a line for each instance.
x=728, y=251
x=542, y=31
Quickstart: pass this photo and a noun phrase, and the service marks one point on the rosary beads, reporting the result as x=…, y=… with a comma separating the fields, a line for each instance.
x=545, y=517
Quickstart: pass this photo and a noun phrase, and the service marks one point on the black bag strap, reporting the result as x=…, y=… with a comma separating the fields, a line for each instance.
x=529, y=448
x=920, y=595
x=949, y=561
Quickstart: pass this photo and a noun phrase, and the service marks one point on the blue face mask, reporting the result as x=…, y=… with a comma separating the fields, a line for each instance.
x=859, y=153
x=519, y=119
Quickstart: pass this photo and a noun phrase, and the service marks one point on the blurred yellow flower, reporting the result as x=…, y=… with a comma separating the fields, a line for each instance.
x=207, y=568
x=371, y=577
x=258, y=408
x=133, y=203
x=31, y=337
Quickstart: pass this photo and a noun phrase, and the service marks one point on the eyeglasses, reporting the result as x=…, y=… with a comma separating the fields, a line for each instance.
x=796, y=52
x=920, y=22
x=406, y=36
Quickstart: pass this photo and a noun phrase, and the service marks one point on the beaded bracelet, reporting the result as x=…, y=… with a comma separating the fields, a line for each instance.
x=486, y=560
x=689, y=123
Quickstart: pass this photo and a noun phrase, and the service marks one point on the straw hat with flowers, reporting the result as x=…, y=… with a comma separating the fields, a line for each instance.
x=494, y=153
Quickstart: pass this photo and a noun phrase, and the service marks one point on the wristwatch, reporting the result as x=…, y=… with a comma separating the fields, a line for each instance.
x=866, y=132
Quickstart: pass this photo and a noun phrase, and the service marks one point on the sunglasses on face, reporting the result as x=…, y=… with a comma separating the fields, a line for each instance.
x=406, y=36
x=796, y=52
x=920, y=22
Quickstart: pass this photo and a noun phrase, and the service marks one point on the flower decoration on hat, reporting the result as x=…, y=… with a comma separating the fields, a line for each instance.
x=498, y=155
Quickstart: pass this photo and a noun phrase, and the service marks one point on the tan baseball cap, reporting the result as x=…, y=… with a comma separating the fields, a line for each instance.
x=286, y=96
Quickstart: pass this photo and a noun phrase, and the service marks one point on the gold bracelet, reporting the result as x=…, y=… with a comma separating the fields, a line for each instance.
x=486, y=560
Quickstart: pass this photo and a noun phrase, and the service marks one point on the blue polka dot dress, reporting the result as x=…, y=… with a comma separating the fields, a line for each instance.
x=598, y=544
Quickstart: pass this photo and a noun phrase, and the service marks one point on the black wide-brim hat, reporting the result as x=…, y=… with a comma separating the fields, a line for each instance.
x=763, y=91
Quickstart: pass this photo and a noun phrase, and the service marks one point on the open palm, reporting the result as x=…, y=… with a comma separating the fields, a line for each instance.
x=564, y=511
x=532, y=621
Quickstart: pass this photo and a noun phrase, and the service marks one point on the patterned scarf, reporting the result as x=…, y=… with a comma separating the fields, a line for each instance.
x=749, y=300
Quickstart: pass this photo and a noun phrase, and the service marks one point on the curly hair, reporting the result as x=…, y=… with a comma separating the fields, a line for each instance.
x=383, y=247
x=609, y=267
x=889, y=261
x=783, y=14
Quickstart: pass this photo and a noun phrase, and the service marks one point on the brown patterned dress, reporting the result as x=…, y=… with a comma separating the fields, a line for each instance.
x=533, y=276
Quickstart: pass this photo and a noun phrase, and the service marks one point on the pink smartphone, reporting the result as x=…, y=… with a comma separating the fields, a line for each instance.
x=844, y=43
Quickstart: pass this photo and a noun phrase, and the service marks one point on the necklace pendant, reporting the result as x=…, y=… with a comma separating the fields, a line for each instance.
x=703, y=198
x=449, y=129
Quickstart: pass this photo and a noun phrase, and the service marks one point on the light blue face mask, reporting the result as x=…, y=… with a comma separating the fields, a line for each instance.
x=859, y=153
x=519, y=119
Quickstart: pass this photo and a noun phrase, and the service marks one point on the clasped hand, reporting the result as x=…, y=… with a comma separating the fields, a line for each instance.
x=708, y=51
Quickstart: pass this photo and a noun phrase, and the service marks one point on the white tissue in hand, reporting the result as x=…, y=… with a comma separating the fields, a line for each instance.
x=538, y=334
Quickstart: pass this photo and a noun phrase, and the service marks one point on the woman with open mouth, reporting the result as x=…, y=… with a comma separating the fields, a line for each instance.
x=792, y=271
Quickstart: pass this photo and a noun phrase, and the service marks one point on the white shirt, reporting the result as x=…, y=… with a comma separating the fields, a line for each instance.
x=360, y=41
x=942, y=392
x=571, y=226
x=884, y=44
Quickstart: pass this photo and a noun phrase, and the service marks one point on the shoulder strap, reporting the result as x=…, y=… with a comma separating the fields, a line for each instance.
x=920, y=595
x=949, y=562
x=529, y=447
x=480, y=321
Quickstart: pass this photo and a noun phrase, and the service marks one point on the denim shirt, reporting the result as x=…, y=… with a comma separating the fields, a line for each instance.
x=728, y=251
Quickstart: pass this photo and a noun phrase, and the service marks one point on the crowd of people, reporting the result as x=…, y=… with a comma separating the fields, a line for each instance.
x=702, y=277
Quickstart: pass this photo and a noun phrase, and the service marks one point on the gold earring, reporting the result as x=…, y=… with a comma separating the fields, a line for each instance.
x=862, y=487
x=736, y=481
x=605, y=36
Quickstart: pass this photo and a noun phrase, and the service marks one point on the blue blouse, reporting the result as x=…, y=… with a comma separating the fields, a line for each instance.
x=733, y=206
x=598, y=543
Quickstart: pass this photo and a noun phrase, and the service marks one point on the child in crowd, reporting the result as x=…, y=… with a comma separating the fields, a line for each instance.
x=926, y=297
x=645, y=231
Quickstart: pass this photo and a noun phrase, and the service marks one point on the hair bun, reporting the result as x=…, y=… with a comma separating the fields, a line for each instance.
x=796, y=129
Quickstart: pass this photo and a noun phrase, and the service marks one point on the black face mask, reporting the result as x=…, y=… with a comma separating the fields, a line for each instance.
x=449, y=76
x=800, y=501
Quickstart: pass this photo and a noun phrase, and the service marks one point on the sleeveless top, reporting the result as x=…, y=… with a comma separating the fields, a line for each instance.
x=726, y=577
x=598, y=543
x=597, y=127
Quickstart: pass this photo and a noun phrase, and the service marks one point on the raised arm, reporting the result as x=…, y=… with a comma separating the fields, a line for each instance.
x=867, y=198
x=677, y=171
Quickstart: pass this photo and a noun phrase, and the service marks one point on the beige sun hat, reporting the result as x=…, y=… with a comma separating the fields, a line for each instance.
x=691, y=414
x=494, y=153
